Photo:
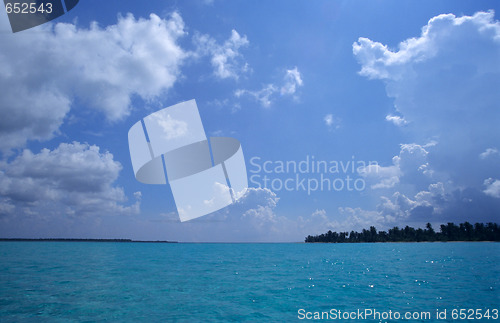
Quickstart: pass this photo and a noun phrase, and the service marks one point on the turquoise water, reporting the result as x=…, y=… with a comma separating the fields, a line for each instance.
x=152, y=282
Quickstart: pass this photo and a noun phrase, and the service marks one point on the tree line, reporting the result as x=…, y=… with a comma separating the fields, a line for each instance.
x=448, y=232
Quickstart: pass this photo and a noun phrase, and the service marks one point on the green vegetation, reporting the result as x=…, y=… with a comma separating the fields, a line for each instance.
x=449, y=232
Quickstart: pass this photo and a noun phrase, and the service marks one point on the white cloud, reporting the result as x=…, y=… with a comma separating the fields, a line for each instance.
x=328, y=119
x=73, y=179
x=397, y=120
x=444, y=85
x=219, y=195
x=292, y=80
x=172, y=128
x=492, y=187
x=44, y=71
x=382, y=177
x=331, y=121
x=443, y=82
x=413, y=191
x=226, y=59
x=438, y=39
x=402, y=207
x=259, y=205
x=489, y=153
x=396, y=210
x=263, y=95
x=410, y=166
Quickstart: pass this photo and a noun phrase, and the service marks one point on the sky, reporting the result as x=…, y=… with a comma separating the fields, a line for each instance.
x=398, y=99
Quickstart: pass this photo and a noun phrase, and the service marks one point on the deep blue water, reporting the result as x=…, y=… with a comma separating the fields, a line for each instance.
x=153, y=282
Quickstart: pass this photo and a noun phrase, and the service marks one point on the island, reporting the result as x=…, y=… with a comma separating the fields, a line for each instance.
x=448, y=232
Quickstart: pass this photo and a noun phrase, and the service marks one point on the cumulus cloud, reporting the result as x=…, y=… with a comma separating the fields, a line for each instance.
x=225, y=58
x=409, y=190
x=43, y=72
x=72, y=180
x=492, y=187
x=439, y=38
x=396, y=210
x=444, y=85
x=292, y=80
x=410, y=165
x=443, y=82
x=397, y=120
x=433, y=204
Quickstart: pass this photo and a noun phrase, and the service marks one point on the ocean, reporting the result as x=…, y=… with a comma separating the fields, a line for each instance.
x=162, y=282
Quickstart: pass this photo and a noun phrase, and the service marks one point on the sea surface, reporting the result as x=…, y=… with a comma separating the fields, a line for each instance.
x=160, y=282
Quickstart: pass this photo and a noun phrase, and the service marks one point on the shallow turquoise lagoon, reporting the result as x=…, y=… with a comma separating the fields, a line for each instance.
x=158, y=282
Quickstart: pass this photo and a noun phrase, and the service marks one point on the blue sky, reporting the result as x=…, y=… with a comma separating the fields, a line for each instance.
x=411, y=86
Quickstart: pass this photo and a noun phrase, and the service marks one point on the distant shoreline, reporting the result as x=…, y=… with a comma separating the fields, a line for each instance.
x=84, y=240
x=448, y=232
